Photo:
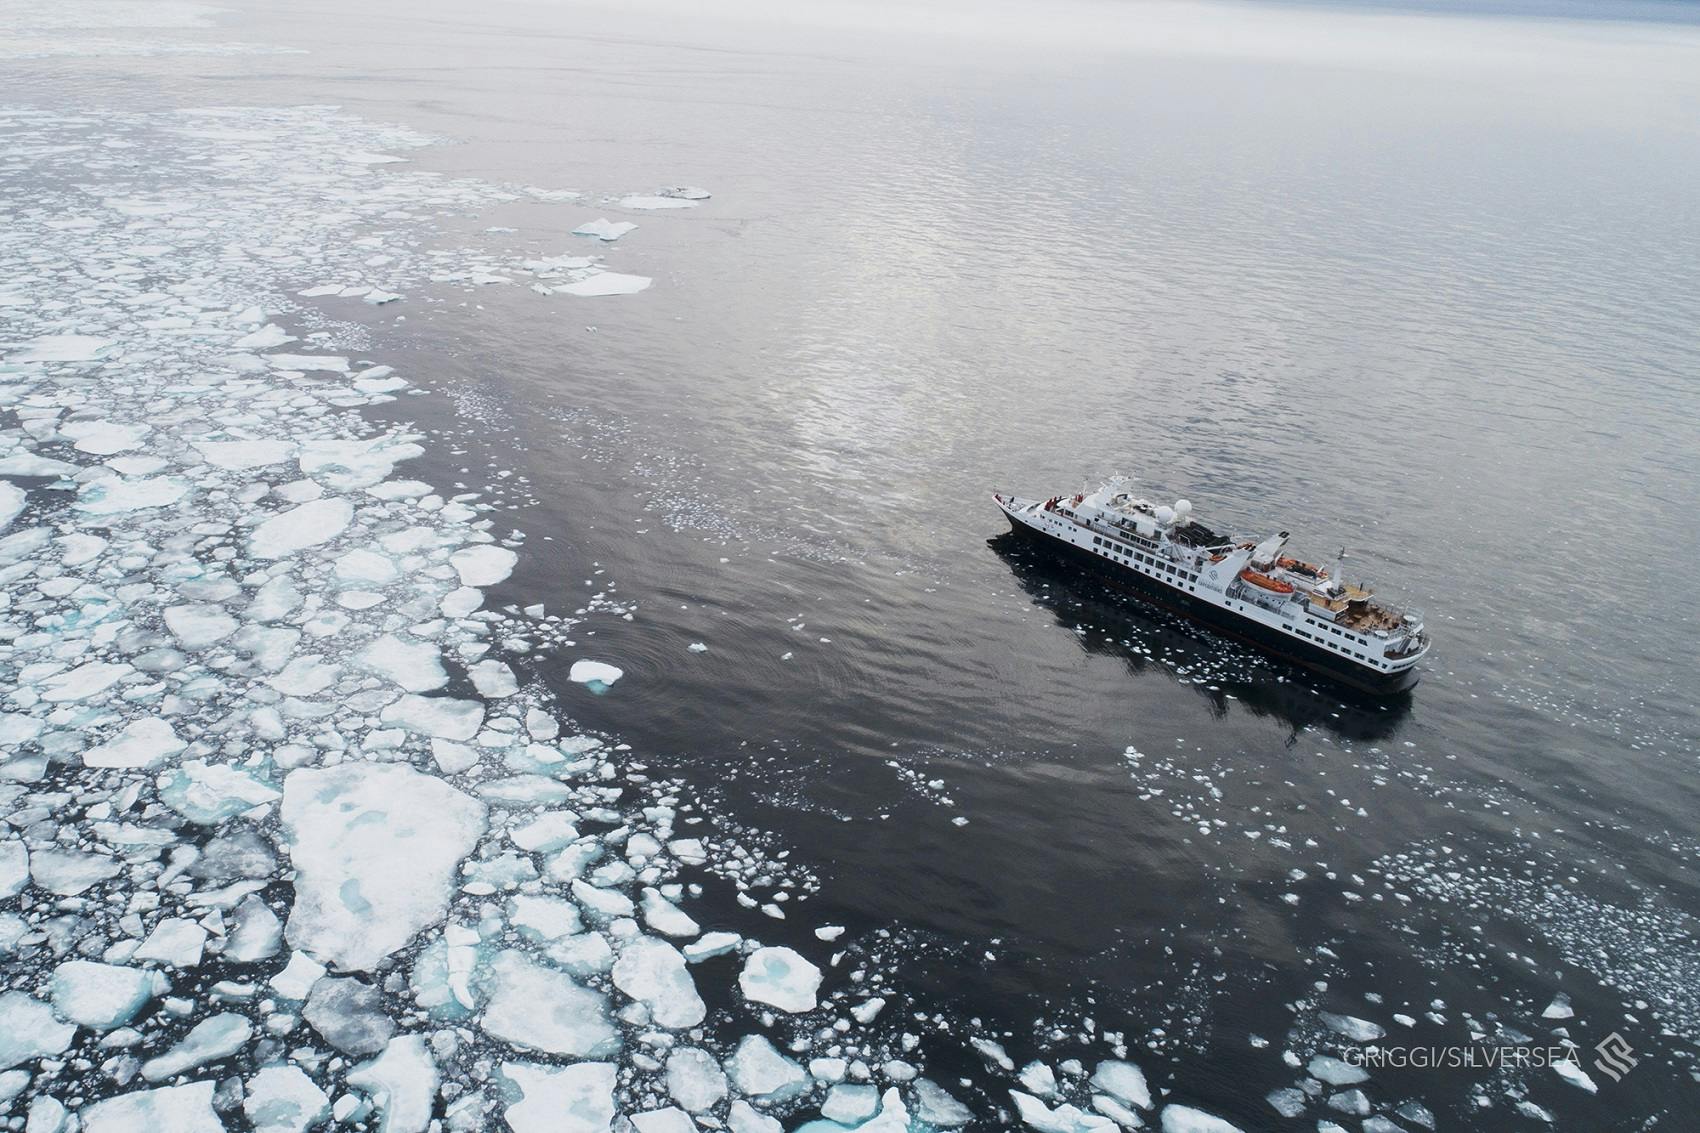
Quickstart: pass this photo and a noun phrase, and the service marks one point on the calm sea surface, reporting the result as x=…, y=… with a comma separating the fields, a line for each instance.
x=1424, y=285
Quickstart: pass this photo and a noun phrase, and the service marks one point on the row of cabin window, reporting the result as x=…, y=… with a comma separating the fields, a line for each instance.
x=1124, y=555
x=1331, y=644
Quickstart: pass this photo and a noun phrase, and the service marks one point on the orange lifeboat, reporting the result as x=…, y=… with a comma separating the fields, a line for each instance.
x=1273, y=585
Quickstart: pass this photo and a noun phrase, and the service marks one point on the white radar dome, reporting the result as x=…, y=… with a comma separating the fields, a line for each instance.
x=1165, y=514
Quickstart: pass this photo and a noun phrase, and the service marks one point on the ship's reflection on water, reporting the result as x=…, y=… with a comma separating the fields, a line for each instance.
x=1152, y=642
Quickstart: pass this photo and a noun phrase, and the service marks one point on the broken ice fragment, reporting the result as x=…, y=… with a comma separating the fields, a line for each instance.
x=1123, y=1081
x=208, y=1041
x=170, y=1109
x=375, y=849
x=559, y=1099
x=175, y=942
x=28, y=1030
x=143, y=743
x=282, y=1099
x=483, y=565
x=1186, y=1119
x=760, y=1071
x=937, y=1107
x=303, y=526
x=694, y=1080
x=541, y=1008
x=211, y=793
x=781, y=978
x=606, y=283
x=653, y=972
x=102, y=996
x=594, y=673
x=349, y=1015
x=402, y=1083
x=61, y=348
x=604, y=229
x=440, y=716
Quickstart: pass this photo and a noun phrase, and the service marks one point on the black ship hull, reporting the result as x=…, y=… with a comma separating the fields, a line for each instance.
x=1313, y=658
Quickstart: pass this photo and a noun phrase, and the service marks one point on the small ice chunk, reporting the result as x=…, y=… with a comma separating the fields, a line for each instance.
x=84, y=681
x=604, y=229
x=594, y=672
x=606, y=283
x=14, y=867
x=282, y=1099
x=1335, y=1071
x=241, y=456
x=742, y=1117
x=781, y=978
x=145, y=742
x=61, y=348
x=69, y=872
x=211, y=793
x=440, y=716
x=493, y=679
x=760, y=1071
x=1572, y=1072
x=174, y=942
x=376, y=848
x=655, y=201
x=710, y=945
x=306, y=525
x=115, y=495
x=104, y=438
x=694, y=1079
x=1186, y=1119
x=349, y=1014
x=1559, y=1008
x=559, y=1099
x=324, y=363
x=483, y=565
x=669, y=1120
x=937, y=1107
x=298, y=976
x=1353, y=1028
x=1065, y=1118
x=849, y=1104
x=1123, y=1081
x=1288, y=1102
x=102, y=996
x=540, y=1008
x=665, y=917
x=653, y=972
x=414, y=665
x=169, y=1109
x=29, y=1030
x=402, y=1082
x=208, y=1041
x=196, y=627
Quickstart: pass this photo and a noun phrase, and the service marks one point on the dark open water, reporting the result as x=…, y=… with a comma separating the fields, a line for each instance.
x=1424, y=285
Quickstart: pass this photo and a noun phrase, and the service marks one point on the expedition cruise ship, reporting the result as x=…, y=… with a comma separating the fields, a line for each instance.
x=1294, y=609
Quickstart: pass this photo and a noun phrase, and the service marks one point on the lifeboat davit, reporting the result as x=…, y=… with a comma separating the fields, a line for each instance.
x=1273, y=585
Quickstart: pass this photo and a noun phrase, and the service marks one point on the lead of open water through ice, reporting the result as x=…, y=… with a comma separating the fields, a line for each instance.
x=261, y=858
